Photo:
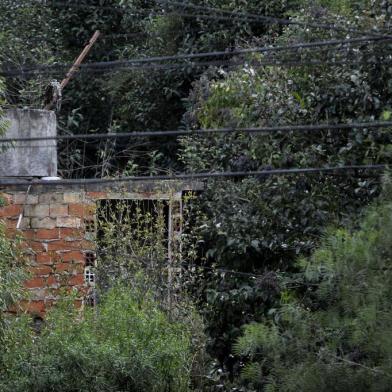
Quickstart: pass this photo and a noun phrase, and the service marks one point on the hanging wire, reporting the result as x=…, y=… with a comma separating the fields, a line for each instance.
x=158, y=133
x=158, y=59
x=195, y=176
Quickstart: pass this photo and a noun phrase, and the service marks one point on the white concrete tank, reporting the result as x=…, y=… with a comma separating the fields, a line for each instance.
x=29, y=158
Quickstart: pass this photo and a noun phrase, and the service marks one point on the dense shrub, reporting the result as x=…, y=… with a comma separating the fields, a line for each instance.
x=333, y=333
x=127, y=344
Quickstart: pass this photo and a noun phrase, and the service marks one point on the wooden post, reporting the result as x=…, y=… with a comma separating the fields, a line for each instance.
x=75, y=66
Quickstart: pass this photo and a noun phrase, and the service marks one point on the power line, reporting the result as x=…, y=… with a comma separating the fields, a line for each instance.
x=192, y=176
x=230, y=15
x=259, y=130
x=230, y=64
x=268, y=19
x=157, y=59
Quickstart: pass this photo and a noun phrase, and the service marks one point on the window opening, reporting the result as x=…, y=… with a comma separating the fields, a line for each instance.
x=89, y=273
x=89, y=224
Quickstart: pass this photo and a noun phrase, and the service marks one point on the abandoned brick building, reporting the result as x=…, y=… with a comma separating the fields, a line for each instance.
x=58, y=220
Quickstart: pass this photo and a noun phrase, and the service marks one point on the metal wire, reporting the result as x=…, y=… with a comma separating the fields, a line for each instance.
x=157, y=59
x=192, y=176
x=158, y=133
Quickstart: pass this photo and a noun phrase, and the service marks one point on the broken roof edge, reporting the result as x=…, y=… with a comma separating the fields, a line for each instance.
x=138, y=186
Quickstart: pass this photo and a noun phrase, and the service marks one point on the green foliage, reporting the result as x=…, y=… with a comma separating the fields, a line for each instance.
x=128, y=344
x=12, y=274
x=332, y=334
x=11, y=271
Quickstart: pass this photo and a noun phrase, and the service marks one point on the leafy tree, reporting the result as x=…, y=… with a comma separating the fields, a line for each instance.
x=261, y=225
x=332, y=333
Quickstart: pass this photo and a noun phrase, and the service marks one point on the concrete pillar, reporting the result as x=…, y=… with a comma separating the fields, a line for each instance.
x=31, y=158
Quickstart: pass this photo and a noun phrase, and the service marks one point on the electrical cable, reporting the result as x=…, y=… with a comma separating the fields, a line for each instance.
x=186, y=66
x=191, y=176
x=157, y=59
x=269, y=19
x=256, y=130
x=230, y=15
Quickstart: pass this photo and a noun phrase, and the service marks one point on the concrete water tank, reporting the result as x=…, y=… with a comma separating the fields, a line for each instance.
x=29, y=158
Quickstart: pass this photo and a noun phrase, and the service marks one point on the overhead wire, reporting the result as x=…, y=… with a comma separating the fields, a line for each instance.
x=230, y=15
x=192, y=176
x=194, y=132
x=188, y=56
x=269, y=19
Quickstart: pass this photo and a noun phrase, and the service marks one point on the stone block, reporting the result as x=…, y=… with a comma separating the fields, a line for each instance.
x=43, y=223
x=19, y=198
x=58, y=210
x=81, y=210
x=97, y=195
x=24, y=224
x=37, y=210
x=68, y=221
x=23, y=198
x=38, y=294
x=48, y=198
x=72, y=197
x=31, y=199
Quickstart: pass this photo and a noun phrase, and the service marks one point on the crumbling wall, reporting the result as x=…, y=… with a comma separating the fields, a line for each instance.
x=59, y=230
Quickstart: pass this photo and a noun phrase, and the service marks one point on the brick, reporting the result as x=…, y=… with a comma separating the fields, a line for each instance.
x=48, y=198
x=43, y=223
x=35, y=307
x=77, y=210
x=78, y=303
x=37, y=210
x=75, y=256
x=72, y=197
x=34, y=282
x=77, y=280
x=47, y=234
x=52, y=282
x=62, y=267
x=10, y=211
x=28, y=234
x=56, y=210
x=41, y=270
x=97, y=195
x=44, y=258
x=70, y=234
x=37, y=246
x=68, y=222
x=59, y=245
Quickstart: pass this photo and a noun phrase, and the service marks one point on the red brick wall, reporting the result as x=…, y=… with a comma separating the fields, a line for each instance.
x=56, y=242
x=54, y=227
